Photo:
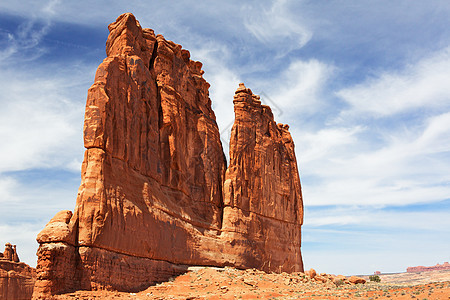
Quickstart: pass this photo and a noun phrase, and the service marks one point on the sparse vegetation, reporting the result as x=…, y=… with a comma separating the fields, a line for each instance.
x=339, y=282
x=375, y=278
x=231, y=283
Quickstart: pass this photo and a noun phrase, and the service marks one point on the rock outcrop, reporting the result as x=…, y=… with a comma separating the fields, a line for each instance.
x=156, y=195
x=263, y=208
x=444, y=266
x=10, y=253
x=16, y=278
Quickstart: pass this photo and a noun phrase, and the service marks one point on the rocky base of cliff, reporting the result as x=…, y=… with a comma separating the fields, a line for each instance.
x=99, y=269
x=107, y=270
x=231, y=283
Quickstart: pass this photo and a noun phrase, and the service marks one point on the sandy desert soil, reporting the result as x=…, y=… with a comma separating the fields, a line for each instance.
x=230, y=283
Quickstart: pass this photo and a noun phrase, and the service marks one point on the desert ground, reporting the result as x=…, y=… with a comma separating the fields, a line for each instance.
x=230, y=283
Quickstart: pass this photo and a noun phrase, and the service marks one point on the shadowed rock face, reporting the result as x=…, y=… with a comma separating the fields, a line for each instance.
x=152, y=199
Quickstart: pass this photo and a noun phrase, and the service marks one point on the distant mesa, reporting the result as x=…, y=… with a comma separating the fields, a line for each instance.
x=156, y=194
x=444, y=266
x=16, y=278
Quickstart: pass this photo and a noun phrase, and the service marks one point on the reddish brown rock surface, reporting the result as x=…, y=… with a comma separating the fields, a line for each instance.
x=16, y=278
x=356, y=280
x=444, y=266
x=262, y=193
x=154, y=197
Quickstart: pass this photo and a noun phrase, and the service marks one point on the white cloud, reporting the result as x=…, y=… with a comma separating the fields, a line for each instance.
x=324, y=142
x=301, y=85
x=41, y=117
x=410, y=167
x=24, y=42
x=8, y=188
x=38, y=130
x=436, y=136
x=298, y=91
x=277, y=28
x=420, y=84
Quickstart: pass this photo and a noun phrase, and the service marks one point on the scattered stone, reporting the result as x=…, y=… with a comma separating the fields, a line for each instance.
x=311, y=273
x=320, y=278
x=356, y=280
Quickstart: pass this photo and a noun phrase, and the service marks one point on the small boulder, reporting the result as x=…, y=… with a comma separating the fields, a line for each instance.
x=311, y=273
x=320, y=278
x=356, y=280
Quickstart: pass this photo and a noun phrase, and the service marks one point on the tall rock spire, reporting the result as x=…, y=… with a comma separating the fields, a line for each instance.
x=262, y=193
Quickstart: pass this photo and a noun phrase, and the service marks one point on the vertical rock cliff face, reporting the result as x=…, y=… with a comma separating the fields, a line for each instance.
x=151, y=201
x=263, y=208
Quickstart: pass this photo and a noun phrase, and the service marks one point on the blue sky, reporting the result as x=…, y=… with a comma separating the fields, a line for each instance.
x=364, y=86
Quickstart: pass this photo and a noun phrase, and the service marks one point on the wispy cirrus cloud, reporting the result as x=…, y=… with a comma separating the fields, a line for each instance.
x=24, y=41
x=401, y=168
x=276, y=27
x=40, y=121
x=419, y=84
x=8, y=188
x=300, y=87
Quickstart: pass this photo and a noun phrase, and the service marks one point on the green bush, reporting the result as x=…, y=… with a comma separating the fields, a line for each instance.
x=375, y=278
x=338, y=282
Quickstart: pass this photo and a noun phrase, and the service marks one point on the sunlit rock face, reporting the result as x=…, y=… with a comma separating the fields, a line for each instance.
x=156, y=195
x=16, y=278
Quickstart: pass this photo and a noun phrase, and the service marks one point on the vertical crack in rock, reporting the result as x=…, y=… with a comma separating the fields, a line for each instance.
x=156, y=195
x=154, y=53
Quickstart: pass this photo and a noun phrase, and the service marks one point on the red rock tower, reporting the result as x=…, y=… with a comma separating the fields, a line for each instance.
x=156, y=195
x=263, y=208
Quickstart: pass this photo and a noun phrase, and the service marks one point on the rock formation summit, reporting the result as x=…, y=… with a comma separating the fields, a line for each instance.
x=156, y=195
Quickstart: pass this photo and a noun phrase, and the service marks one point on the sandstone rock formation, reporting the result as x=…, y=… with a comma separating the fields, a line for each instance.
x=16, y=278
x=10, y=253
x=156, y=195
x=262, y=193
x=444, y=266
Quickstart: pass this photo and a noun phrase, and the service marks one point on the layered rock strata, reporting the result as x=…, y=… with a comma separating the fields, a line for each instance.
x=444, y=266
x=16, y=278
x=156, y=195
